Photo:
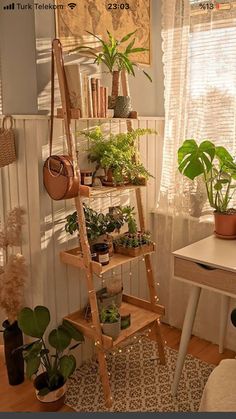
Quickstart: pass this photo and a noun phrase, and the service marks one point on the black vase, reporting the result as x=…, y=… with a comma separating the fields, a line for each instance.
x=13, y=338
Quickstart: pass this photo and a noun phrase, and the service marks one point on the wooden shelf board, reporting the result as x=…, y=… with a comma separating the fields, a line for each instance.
x=74, y=258
x=140, y=320
x=93, y=192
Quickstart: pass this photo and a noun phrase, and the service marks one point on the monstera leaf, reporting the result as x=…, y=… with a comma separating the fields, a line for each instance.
x=194, y=160
x=34, y=322
x=59, y=339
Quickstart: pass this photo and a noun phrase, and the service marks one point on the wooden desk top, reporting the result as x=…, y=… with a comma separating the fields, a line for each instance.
x=211, y=251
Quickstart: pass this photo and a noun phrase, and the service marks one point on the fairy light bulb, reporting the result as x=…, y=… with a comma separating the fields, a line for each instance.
x=130, y=274
x=120, y=350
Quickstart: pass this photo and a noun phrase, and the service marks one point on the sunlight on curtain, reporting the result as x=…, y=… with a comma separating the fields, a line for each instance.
x=199, y=48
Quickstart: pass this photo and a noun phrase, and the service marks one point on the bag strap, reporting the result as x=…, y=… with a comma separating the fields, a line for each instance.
x=4, y=121
x=58, y=57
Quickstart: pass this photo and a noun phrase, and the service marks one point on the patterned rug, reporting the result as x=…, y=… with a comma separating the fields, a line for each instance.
x=139, y=383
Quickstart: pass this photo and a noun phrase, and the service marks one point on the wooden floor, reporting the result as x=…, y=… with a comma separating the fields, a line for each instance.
x=22, y=398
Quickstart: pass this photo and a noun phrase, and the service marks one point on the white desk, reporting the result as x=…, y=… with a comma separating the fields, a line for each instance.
x=211, y=264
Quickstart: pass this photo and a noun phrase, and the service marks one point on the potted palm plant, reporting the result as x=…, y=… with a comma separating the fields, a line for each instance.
x=52, y=367
x=111, y=323
x=115, y=57
x=217, y=168
x=118, y=156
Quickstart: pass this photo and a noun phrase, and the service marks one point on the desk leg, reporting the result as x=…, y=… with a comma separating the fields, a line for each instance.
x=224, y=309
x=185, y=336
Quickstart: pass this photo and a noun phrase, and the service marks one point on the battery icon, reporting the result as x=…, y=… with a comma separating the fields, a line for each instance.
x=222, y=6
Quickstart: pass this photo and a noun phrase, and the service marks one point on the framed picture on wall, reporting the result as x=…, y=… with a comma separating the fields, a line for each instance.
x=98, y=16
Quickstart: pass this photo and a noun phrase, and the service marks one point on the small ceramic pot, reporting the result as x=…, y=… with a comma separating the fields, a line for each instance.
x=53, y=396
x=112, y=329
x=225, y=225
x=122, y=107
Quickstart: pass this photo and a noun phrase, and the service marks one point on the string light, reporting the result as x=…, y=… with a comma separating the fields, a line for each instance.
x=130, y=274
x=120, y=350
x=143, y=259
x=149, y=270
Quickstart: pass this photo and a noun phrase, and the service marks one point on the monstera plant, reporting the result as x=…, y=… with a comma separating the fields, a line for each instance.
x=217, y=168
x=53, y=365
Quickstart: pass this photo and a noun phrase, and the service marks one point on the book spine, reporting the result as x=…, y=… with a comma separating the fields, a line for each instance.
x=85, y=94
x=90, y=98
x=102, y=102
x=98, y=84
x=94, y=97
x=106, y=101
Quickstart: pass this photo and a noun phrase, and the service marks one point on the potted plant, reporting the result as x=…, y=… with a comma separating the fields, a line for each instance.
x=217, y=168
x=52, y=367
x=118, y=156
x=134, y=242
x=12, y=278
x=110, y=318
x=115, y=57
x=99, y=226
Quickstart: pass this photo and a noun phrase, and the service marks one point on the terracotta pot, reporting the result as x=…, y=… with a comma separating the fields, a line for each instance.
x=51, y=397
x=225, y=225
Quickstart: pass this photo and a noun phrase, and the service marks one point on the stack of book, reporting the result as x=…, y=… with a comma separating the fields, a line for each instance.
x=86, y=92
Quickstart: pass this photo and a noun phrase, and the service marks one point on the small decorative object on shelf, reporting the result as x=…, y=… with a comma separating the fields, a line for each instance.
x=100, y=253
x=54, y=366
x=12, y=278
x=111, y=324
x=122, y=107
x=125, y=321
x=86, y=177
x=218, y=170
x=117, y=155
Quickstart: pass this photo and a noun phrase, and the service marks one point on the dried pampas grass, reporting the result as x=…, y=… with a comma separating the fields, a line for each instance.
x=13, y=274
x=11, y=286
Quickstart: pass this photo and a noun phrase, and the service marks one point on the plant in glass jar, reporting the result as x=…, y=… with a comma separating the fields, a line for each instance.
x=118, y=156
x=217, y=168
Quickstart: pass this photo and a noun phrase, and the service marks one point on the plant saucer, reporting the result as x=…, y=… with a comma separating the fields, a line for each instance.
x=221, y=236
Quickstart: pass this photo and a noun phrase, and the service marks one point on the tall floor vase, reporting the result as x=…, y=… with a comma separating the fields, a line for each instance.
x=13, y=338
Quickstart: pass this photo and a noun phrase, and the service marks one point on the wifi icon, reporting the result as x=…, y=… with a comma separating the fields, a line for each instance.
x=71, y=5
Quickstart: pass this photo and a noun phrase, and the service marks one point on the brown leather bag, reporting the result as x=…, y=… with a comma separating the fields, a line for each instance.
x=59, y=176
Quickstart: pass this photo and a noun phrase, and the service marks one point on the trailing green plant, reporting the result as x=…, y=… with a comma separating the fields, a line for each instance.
x=110, y=314
x=97, y=223
x=118, y=153
x=57, y=365
x=113, y=54
x=215, y=165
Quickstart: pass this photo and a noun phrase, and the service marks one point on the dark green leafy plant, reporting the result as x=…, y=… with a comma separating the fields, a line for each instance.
x=215, y=165
x=110, y=314
x=117, y=153
x=57, y=366
x=113, y=54
x=97, y=223
x=135, y=240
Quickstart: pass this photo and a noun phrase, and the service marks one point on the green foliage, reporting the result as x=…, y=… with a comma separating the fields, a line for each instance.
x=118, y=152
x=98, y=224
x=57, y=365
x=110, y=314
x=113, y=54
x=134, y=240
x=217, y=167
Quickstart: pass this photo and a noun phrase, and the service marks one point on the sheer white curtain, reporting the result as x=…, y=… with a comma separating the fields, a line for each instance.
x=199, y=58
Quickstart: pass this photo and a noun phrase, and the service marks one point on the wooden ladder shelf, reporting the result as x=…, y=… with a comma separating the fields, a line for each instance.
x=144, y=314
